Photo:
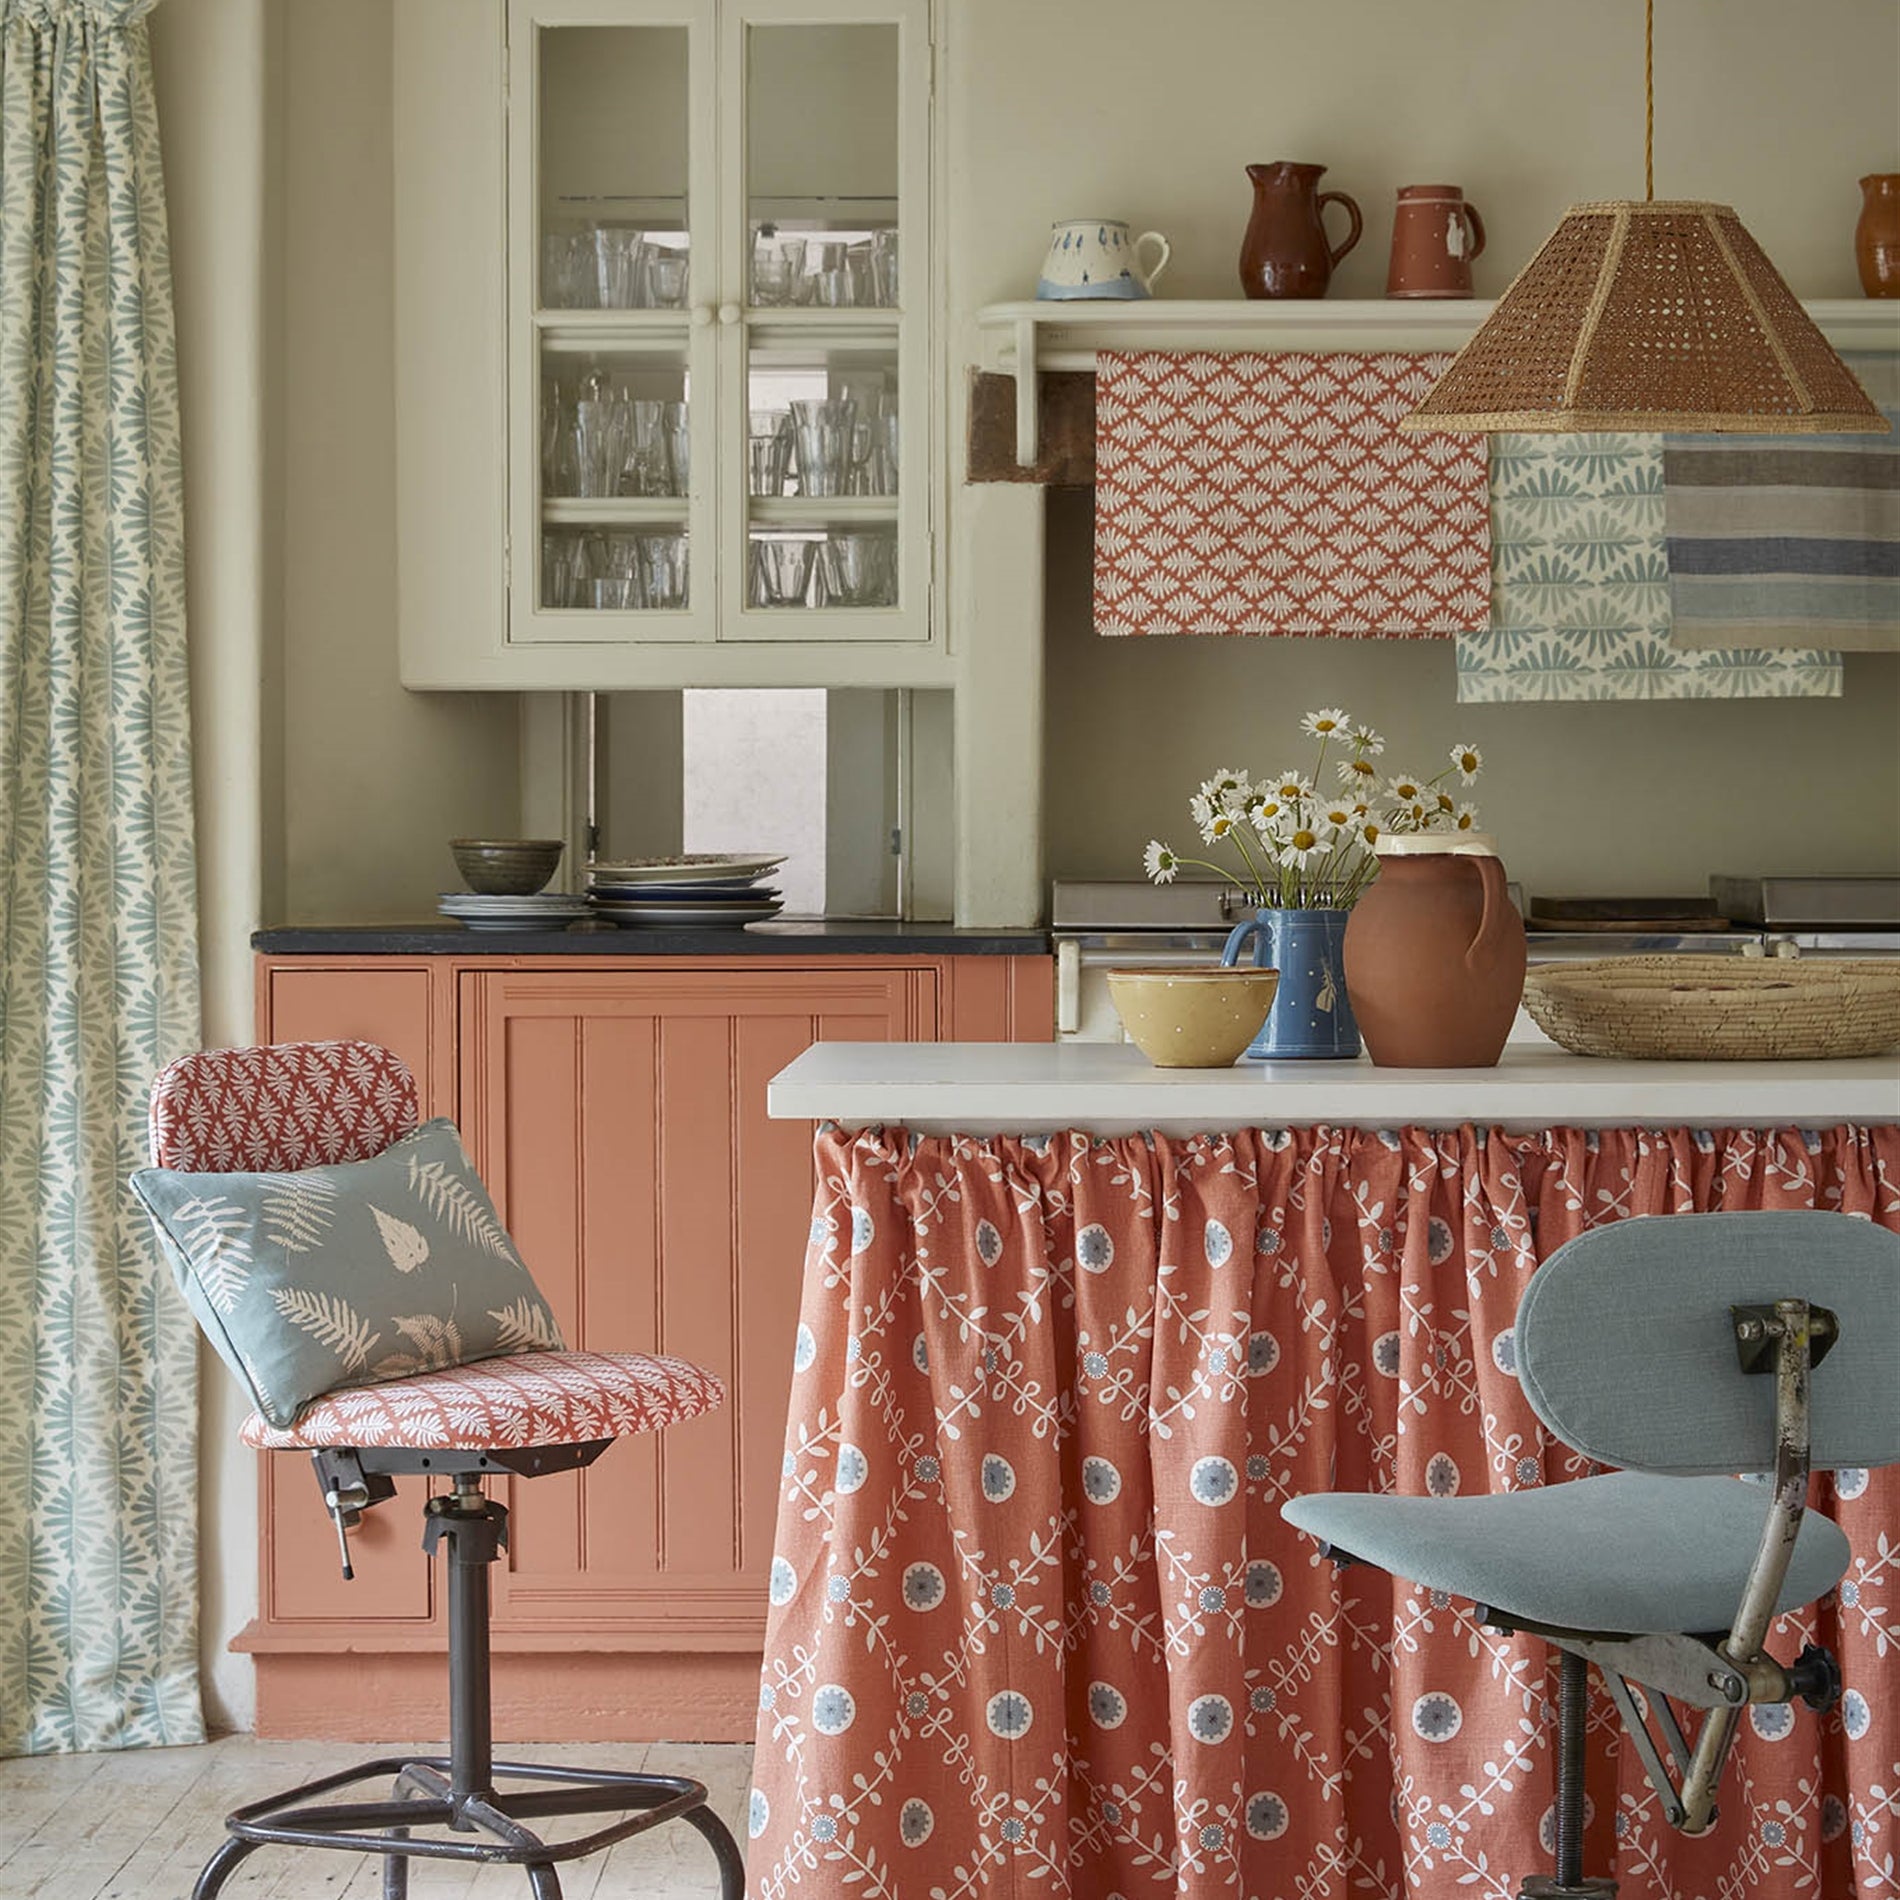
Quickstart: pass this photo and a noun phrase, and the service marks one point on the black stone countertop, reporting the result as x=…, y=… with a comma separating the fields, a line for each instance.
x=840, y=936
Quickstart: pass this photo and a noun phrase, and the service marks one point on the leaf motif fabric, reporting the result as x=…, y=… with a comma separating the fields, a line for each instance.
x=358, y=1271
x=98, y=916
x=1037, y=1628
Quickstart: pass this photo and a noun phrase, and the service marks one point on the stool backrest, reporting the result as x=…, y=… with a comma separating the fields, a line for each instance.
x=1626, y=1350
x=281, y=1107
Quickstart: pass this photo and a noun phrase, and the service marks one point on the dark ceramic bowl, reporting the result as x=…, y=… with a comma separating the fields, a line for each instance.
x=506, y=867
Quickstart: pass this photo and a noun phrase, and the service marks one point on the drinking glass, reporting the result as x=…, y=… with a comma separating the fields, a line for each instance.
x=617, y=592
x=879, y=465
x=567, y=270
x=643, y=469
x=768, y=452
x=666, y=279
x=859, y=569
x=884, y=268
x=835, y=289
x=601, y=430
x=781, y=570
x=663, y=570
x=564, y=571
x=620, y=257
x=826, y=435
x=678, y=434
x=777, y=270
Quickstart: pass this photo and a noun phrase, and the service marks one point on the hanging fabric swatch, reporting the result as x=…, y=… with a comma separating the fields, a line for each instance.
x=1580, y=588
x=1275, y=495
x=1788, y=541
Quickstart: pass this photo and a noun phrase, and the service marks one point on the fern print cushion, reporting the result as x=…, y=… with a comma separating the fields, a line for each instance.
x=348, y=1275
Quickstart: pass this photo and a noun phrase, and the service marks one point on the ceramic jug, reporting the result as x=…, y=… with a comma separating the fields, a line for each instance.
x=1435, y=954
x=1092, y=258
x=1286, y=252
x=1877, y=235
x=1311, y=1016
x=1435, y=237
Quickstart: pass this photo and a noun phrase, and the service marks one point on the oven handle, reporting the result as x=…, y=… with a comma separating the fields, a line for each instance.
x=1073, y=958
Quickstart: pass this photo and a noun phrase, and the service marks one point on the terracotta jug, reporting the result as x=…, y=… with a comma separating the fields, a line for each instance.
x=1877, y=235
x=1435, y=237
x=1435, y=954
x=1285, y=252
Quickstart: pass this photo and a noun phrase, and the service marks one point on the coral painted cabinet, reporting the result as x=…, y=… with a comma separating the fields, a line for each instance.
x=616, y=1109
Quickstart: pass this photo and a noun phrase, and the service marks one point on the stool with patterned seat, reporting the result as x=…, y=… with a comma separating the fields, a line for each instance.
x=290, y=1108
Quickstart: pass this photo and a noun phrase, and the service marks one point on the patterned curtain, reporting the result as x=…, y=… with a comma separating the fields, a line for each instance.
x=1038, y=1629
x=98, y=945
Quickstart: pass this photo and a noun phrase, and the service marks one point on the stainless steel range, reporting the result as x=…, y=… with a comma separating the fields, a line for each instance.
x=1097, y=926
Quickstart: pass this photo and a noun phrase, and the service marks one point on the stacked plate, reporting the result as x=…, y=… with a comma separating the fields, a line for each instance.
x=545, y=910
x=700, y=889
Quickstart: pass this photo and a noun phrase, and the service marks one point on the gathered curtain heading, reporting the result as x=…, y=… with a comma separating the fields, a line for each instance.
x=56, y=13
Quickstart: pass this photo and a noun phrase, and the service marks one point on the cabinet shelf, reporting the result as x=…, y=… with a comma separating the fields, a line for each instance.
x=614, y=511
x=819, y=511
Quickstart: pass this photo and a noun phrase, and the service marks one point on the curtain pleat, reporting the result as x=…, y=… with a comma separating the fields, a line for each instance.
x=1033, y=1602
x=98, y=944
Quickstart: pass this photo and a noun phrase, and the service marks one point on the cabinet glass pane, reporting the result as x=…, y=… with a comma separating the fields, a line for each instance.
x=613, y=168
x=616, y=470
x=822, y=165
x=822, y=461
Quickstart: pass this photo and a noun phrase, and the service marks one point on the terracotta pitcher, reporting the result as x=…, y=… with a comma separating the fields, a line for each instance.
x=1436, y=236
x=1877, y=235
x=1285, y=252
x=1435, y=954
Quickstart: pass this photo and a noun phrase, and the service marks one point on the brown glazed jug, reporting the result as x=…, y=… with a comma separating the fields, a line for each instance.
x=1877, y=235
x=1435, y=954
x=1285, y=252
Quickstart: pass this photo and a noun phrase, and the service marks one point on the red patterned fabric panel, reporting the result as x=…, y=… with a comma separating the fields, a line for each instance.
x=1275, y=494
x=528, y=1398
x=281, y=1107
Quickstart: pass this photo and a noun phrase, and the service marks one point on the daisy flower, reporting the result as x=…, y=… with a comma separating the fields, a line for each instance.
x=1292, y=786
x=1201, y=809
x=1219, y=826
x=1302, y=841
x=1159, y=862
x=1467, y=758
x=1361, y=774
x=1266, y=815
x=1226, y=785
x=1339, y=814
x=1404, y=791
x=1446, y=803
x=1328, y=724
x=1364, y=739
x=1465, y=818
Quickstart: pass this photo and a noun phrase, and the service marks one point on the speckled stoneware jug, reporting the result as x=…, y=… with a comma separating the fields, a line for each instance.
x=1435, y=954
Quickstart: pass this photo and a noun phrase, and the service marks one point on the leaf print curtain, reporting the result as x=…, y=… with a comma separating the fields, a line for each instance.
x=98, y=954
x=1038, y=1630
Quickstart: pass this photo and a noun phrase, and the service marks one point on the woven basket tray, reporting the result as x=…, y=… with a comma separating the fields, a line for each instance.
x=1718, y=1009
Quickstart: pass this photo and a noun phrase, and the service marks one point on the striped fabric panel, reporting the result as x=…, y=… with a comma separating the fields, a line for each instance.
x=1775, y=541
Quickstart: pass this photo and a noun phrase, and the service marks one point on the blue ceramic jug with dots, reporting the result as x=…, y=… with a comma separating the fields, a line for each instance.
x=1311, y=1014
x=1093, y=258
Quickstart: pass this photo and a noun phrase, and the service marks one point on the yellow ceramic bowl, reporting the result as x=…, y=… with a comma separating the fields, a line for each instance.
x=1192, y=1019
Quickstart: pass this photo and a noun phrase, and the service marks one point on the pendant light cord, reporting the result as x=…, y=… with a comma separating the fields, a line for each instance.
x=1649, y=101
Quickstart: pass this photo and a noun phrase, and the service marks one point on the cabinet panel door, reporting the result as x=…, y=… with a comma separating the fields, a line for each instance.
x=619, y=1120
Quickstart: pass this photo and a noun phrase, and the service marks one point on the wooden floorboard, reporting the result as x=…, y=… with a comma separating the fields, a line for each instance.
x=139, y=1825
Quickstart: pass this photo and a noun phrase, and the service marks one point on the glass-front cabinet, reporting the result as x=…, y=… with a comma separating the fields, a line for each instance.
x=720, y=410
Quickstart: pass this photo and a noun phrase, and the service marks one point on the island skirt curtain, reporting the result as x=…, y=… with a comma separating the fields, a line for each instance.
x=98, y=948
x=1038, y=1630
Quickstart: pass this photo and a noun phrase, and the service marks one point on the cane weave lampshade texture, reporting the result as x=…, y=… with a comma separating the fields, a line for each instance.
x=1645, y=316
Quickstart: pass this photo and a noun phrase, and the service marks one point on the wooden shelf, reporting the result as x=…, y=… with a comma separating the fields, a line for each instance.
x=614, y=511
x=819, y=511
x=1067, y=336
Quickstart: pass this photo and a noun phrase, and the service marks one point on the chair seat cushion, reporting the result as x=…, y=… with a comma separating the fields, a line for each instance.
x=527, y=1398
x=1628, y=1551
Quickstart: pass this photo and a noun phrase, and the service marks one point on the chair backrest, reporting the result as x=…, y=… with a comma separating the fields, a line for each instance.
x=1626, y=1350
x=278, y=1108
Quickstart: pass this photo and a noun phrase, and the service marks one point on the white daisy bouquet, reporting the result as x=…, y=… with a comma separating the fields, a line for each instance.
x=1306, y=844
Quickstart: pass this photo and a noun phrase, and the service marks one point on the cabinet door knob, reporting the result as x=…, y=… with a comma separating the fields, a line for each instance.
x=729, y=313
x=702, y=315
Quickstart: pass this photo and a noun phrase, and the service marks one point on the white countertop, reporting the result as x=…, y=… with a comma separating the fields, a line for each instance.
x=1111, y=1088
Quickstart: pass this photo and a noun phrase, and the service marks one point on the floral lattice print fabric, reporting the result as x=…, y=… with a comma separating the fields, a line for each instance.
x=1038, y=1631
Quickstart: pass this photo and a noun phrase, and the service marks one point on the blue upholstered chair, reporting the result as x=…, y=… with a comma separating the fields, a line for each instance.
x=1685, y=1349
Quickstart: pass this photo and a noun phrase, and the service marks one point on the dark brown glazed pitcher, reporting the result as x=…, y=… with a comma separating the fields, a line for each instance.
x=1285, y=252
x=1435, y=955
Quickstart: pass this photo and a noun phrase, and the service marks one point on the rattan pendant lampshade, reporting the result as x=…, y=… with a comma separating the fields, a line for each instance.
x=1649, y=316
